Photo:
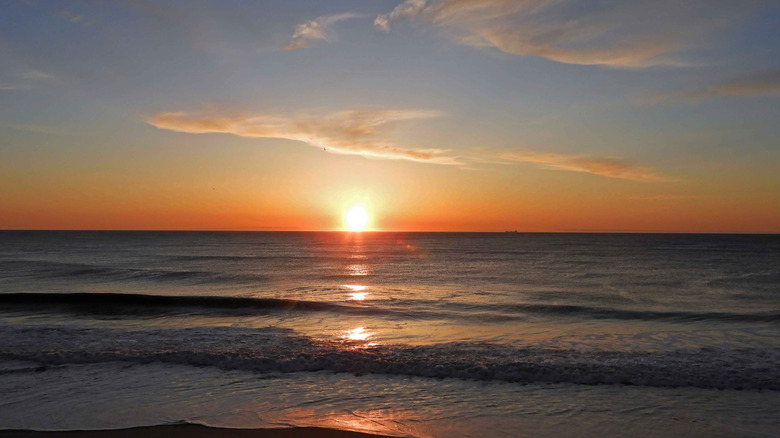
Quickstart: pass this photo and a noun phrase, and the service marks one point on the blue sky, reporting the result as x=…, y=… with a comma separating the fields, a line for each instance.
x=518, y=102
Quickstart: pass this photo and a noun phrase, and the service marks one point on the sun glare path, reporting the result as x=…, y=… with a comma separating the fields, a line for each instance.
x=357, y=270
x=358, y=296
x=358, y=334
x=357, y=218
x=358, y=292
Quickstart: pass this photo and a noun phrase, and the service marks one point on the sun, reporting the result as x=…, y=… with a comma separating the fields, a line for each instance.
x=357, y=218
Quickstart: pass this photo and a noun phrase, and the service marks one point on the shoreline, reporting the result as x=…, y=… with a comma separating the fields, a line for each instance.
x=191, y=431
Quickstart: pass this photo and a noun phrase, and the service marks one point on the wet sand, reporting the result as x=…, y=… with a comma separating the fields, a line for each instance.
x=191, y=431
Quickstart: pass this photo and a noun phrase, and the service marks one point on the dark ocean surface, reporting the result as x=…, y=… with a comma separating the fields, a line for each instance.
x=417, y=334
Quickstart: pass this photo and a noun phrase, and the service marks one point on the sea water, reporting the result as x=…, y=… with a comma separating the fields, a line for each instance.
x=411, y=334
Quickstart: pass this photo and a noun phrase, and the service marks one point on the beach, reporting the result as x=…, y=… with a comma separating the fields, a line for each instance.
x=190, y=431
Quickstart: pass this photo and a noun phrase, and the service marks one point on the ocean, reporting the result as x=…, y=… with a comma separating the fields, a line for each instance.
x=408, y=334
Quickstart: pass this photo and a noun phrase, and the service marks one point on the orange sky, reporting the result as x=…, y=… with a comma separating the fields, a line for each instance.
x=435, y=115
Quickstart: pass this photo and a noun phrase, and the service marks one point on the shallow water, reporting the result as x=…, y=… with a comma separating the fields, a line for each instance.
x=424, y=334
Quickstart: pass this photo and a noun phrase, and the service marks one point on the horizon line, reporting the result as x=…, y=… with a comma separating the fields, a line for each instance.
x=256, y=230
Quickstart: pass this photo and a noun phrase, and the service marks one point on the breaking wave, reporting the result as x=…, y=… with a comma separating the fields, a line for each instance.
x=129, y=304
x=273, y=350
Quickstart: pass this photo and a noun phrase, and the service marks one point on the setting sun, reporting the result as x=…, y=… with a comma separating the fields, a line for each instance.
x=418, y=218
x=357, y=218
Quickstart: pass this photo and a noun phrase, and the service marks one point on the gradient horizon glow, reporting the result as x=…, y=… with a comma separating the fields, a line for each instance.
x=434, y=115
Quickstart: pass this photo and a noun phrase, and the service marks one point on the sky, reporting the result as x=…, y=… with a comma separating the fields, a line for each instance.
x=435, y=115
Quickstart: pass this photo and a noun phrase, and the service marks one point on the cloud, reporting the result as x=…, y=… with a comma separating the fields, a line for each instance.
x=318, y=29
x=14, y=86
x=624, y=34
x=27, y=79
x=359, y=132
x=661, y=198
x=72, y=16
x=761, y=84
x=36, y=75
x=365, y=133
x=603, y=166
x=41, y=129
x=409, y=8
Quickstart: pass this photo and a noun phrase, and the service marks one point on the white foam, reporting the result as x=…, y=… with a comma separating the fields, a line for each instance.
x=283, y=351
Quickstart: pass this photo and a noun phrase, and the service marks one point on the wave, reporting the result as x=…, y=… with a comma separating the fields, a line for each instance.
x=645, y=315
x=282, y=351
x=129, y=304
x=140, y=303
x=48, y=269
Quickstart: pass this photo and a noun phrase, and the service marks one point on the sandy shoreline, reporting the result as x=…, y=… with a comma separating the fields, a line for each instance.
x=192, y=431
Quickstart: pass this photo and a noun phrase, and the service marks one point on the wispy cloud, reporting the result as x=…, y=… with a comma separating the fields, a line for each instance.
x=625, y=34
x=41, y=129
x=604, y=166
x=36, y=75
x=663, y=198
x=407, y=9
x=761, y=84
x=72, y=16
x=13, y=86
x=26, y=79
x=321, y=28
x=358, y=132
x=366, y=132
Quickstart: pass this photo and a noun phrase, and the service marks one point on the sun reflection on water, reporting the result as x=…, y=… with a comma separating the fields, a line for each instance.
x=357, y=293
x=358, y=338
x=358, y=334
x=357, y=269
x=374, y=421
